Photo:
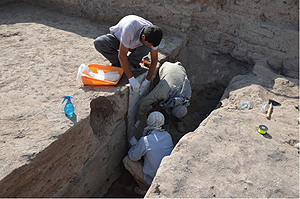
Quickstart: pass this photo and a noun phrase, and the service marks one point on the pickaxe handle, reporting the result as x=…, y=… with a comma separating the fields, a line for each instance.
x=269, y=111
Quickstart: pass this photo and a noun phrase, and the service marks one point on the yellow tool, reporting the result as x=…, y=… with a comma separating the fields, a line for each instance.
x=262, y=129
x=271, y=104
x=269, y=111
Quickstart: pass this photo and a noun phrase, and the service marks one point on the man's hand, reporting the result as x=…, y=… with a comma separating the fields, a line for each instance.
x=143, y=86
x=135, y=85
x=132, y=141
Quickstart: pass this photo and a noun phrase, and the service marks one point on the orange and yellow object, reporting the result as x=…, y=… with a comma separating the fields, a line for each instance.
x=105, y=68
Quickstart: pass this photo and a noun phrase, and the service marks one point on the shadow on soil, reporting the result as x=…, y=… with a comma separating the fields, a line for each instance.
x=123, y=187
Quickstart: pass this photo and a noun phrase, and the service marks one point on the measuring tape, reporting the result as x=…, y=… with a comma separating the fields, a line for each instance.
x=262, y=129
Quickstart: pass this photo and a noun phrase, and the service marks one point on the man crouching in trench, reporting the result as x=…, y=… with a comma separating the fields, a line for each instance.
x=171, y=95
x=153, y=146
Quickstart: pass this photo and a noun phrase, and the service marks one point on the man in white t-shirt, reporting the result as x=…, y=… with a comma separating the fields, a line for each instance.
x=132, y=34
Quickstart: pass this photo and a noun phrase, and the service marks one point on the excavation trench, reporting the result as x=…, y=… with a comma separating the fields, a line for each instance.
x=45, y=154
x=207, y=91
x=82, y=157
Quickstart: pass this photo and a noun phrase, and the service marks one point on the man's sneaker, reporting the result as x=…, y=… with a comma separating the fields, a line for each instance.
x=139, y=191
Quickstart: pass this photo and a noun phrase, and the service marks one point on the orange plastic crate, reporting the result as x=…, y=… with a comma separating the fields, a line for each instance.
x=92, y=81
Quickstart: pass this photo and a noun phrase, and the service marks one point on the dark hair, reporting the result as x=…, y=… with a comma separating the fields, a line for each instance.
x=153, y=35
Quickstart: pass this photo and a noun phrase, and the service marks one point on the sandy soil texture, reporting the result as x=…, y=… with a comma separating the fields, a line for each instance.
x=40, y=54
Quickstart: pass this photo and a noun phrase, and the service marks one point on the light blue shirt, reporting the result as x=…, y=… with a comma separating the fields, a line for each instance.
x=153, y=147
x=129, y=29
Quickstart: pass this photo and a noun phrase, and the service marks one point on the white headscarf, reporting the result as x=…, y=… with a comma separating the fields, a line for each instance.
x=154, y=122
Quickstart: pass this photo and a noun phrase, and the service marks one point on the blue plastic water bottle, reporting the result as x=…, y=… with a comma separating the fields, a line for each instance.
x=69, y=108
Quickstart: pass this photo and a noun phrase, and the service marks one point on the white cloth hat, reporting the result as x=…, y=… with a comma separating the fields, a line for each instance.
x=179, y=111
x=156, y=119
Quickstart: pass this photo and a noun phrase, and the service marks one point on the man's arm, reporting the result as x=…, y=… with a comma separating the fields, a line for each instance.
x=136, y=152
x=154, y=60
x=124, y=60
x=135, y=85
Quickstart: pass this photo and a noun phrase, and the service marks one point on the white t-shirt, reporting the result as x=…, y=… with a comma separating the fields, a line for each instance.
x=129, y=29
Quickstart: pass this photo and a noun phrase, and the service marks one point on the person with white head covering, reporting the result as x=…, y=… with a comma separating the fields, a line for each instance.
x=154, y=145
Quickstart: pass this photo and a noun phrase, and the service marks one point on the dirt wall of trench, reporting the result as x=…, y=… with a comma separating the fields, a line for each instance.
x=43, y=153
x=84, y=160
